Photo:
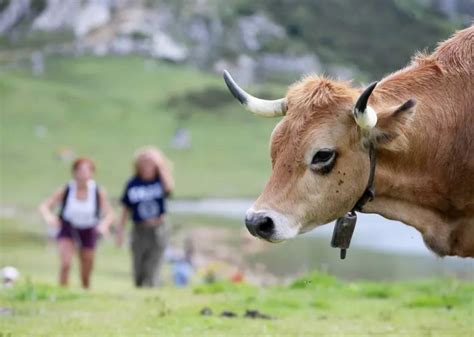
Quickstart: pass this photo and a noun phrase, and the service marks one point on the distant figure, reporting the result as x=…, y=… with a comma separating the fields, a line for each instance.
x=84, y=213
x=182, y=262
x=181, y=139
x=144, y=201
x=182, y=273
x=37, y=63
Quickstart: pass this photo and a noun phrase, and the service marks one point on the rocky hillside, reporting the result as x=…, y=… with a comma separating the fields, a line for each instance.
x=259, y=40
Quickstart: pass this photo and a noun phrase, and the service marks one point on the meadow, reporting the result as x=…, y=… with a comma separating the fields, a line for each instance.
x=313, y=305
x=106, y=108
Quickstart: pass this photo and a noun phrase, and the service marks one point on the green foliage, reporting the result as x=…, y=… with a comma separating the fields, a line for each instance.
x=441, y=307
x=37, y=6
x=436, y=301
x=376, y=36
x=435, y=294
x=378, y=290
x=315, y=280
x=30, y=292
x=4, y=4
x=139, y=36
x=209, y=98
x=320, y=303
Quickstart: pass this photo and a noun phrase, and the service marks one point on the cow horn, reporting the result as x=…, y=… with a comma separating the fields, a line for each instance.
x=260, y=107
x=364, y=115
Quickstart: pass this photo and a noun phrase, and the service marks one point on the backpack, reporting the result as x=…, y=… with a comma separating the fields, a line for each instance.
x=66, y=193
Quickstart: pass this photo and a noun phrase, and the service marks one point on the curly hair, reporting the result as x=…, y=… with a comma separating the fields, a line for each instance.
x=163, y=165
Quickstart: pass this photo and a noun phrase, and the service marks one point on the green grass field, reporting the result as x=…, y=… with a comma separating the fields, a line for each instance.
x=315, y=305
x=106, y=108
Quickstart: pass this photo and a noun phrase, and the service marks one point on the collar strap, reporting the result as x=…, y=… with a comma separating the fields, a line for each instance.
x=369, y=192
x=344, y=228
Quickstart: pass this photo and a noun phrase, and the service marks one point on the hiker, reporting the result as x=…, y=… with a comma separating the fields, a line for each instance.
x=84, y=214
x=182, y=263
x=143, y=201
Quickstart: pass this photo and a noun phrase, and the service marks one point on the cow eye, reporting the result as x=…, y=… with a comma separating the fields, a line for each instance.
x=322, y=156
x=323, y=161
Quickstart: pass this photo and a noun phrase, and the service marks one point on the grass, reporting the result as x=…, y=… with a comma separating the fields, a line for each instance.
x=314, y=305
x=106, y=108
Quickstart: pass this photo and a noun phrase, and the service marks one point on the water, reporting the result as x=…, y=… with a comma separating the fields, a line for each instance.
x=381, y=249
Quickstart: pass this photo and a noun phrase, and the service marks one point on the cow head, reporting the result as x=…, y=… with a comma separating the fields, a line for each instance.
x=320, y=165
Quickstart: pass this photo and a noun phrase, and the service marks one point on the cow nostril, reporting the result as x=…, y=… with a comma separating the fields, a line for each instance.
x=260, y=225
x=265, y=227
x=250, y=224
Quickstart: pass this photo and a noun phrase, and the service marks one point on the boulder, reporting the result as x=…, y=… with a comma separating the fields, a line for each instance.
x=164, y=47
x=122, y=45
x=257, y=29
x=274, y=65
x=91, y=16
x=58, y=14
x=243, y=69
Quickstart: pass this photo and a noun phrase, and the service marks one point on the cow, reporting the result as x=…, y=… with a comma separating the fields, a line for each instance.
x=419, y=121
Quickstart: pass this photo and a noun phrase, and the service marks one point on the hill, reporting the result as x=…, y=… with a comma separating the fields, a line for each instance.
x=106, y=108
x=262, y=40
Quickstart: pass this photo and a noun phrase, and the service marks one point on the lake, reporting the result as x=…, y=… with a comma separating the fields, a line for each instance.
x=381, y=249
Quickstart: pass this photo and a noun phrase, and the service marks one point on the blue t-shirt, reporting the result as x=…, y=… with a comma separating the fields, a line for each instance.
x=145, y=199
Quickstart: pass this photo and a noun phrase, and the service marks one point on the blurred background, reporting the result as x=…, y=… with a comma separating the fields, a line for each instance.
x=104, y=77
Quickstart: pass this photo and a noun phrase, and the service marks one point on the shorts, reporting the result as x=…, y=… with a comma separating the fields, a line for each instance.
x=83, y=237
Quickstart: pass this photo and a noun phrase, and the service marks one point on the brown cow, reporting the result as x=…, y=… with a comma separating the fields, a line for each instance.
x=420, y=121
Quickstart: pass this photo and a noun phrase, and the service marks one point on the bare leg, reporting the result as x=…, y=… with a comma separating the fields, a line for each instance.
x=66, y=252
x=87, y=263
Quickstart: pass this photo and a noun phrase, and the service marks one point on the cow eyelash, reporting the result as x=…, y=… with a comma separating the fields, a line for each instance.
x=323, y=161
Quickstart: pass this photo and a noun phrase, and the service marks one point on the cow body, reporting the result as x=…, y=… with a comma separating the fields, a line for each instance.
x=424, y=141
x=430, y=183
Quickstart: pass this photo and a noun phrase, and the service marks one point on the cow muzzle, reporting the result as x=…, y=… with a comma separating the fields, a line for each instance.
x=269, y=225
x=260, y=225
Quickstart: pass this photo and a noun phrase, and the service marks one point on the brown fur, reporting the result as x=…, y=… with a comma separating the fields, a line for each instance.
x=425, y=172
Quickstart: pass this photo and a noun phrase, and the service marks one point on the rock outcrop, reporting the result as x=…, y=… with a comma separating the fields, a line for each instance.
x=197, y=32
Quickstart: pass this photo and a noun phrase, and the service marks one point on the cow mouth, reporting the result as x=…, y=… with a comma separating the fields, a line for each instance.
x=272, y=240
x=269, y=239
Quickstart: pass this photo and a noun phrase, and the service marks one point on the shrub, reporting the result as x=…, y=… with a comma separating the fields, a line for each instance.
x=29, y=291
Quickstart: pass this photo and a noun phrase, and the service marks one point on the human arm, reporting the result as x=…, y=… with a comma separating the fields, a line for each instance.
x=120, y=235
x=47, y=206
x=107, y=211
x=165, y=171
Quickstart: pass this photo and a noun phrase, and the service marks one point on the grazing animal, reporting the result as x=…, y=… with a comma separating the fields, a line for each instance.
x=419, y=120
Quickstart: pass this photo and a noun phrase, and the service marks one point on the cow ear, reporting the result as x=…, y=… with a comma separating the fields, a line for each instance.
x=392, y=124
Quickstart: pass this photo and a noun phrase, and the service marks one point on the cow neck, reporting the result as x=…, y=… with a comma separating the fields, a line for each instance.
x=344, y=227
